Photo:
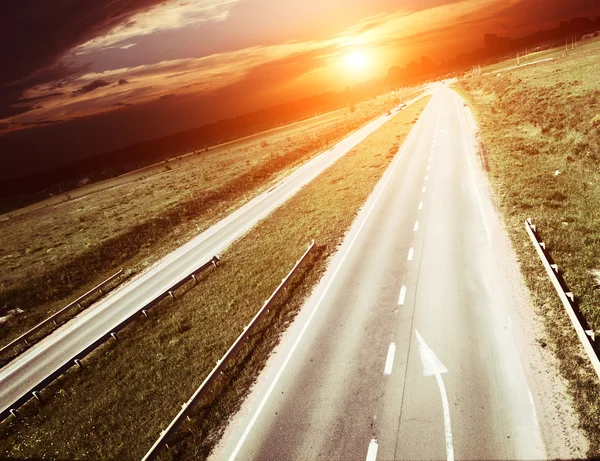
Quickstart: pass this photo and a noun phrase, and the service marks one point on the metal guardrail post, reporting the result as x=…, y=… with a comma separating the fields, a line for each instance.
x=54, y=316
x=567, y=298
x=186, y=407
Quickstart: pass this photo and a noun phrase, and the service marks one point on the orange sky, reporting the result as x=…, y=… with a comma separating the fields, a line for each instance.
x=198, y=60
x=197, y=47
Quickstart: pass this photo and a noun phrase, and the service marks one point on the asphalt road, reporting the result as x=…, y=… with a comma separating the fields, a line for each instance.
x=405, y=349
x=22, y=375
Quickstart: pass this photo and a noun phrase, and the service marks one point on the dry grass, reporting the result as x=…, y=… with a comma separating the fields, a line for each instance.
x=130, y=389
x=50, y=256
x=543, y=153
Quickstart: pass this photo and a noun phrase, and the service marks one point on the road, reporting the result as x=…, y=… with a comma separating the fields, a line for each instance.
x=406, y=348
x=159, y=167
x=21, y=376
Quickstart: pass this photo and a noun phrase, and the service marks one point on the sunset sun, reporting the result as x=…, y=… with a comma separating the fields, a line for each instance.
x=357, y=61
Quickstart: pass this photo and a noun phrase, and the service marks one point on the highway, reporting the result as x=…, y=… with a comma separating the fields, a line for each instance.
x=22, y=375
x=406, y=348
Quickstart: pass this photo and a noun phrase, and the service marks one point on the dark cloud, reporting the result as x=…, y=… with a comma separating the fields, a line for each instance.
x=48, y=145
x=40, y=98
x=35, y=34
x=11, y=102
x=123, y=82
x=90, y=87
x=167, y=96
x=41, y=122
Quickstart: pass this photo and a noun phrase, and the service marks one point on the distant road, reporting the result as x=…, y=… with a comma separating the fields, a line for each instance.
x=405, y=350
x=20, y=376
x=158, y=168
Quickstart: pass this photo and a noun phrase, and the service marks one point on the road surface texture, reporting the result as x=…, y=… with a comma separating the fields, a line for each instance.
x=406, y=349
x=19, y=377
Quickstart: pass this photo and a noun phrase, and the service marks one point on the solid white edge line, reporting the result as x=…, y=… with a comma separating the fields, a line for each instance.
x=392, y=169
x=402, y=296
x=411, y=253
x=533, y=408
x=372, y=452
x=477, y=194
x=389, y=362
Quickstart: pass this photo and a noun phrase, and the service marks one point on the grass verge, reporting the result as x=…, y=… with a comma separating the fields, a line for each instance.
x=52, y=256
x=129, y=390
x=540, y=143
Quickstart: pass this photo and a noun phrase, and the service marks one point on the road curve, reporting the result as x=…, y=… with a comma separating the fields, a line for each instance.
x=405, y=349
x=22, y=375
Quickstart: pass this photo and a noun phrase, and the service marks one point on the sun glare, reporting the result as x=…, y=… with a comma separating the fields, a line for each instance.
x=357, y=61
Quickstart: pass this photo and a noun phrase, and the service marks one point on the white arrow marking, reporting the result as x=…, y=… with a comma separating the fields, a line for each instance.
x=433, y=366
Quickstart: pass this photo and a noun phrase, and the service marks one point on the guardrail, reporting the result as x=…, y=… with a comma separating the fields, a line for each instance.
x=53, y=317
x=187, y=407
x=77, y=358
x=586, y=336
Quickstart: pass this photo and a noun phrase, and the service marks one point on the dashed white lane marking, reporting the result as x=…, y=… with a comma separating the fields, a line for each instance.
x=389, y=362
x=426, y=177
x=420, y=205
x=402, y=296
x=416, y=228
x=372, y=453
x=430, y=157
x=428, y=167
x=424, y=189
x=411, y=253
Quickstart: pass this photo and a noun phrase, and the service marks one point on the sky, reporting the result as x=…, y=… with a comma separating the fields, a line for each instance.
x=91, y=76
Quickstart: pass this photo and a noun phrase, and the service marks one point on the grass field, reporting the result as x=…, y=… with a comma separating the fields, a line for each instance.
x=176, y=162
x=52, y=255
x=540, y=140
x=130, y=389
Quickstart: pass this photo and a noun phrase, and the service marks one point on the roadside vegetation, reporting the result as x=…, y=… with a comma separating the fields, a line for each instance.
x=540, y=142
x=130, y=389
x=50, y=256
